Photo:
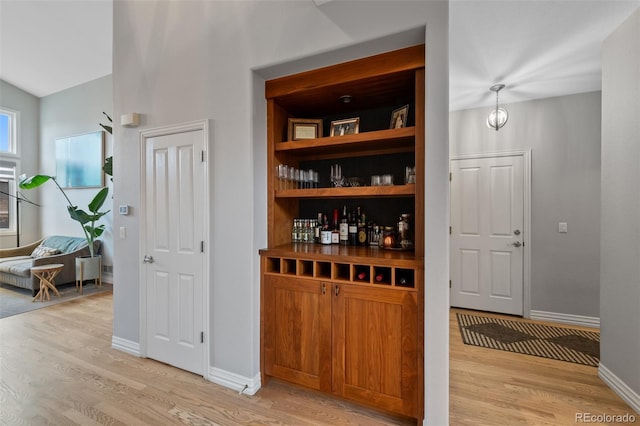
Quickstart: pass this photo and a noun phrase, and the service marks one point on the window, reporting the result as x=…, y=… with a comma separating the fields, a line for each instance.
x=8, y=170
x=8, y=131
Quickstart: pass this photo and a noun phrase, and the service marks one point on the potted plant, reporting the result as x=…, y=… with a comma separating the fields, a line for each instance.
x=108, y=162
x=88, y=267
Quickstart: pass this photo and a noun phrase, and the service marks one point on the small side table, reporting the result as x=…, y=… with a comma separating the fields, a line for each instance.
x=47, y=274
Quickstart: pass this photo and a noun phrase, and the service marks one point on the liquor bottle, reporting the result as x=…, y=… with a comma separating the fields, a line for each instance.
x=318, y=229
x=344, y=227
x=295, y=231
x=335, y=233
x=353, y=229
x=363, y=232
x=304, y=233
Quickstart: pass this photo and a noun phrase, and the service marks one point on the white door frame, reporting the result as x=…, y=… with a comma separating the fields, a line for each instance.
x=166, y=131
x=526, y=234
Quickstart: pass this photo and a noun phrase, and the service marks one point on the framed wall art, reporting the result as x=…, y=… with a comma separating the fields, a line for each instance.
x=304, y=128
x=350, y=126
x=399, y=117
x=79, y=161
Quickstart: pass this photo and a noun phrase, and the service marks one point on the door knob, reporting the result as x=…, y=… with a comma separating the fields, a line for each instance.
x=148, y=259
x=517, y=244
x=517, y=232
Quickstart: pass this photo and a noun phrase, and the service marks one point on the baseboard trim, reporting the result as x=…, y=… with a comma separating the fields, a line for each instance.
x=619, y=387
x=244, y=385
x=124, y=345
x=581, y=320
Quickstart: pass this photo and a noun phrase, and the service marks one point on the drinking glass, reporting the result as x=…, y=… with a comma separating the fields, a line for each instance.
x=336, y=175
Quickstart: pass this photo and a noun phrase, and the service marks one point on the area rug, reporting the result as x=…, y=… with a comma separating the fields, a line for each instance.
x=523, y=337
x=15, y=300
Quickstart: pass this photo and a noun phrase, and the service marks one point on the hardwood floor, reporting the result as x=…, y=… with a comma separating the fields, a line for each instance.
x=492, y=387
x=57, y=367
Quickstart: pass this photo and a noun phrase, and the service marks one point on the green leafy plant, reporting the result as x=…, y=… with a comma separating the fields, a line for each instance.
x=86, y=219
x=108, y=162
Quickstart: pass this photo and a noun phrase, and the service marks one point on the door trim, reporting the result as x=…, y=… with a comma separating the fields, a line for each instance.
x=167, y=131
x=526, y=267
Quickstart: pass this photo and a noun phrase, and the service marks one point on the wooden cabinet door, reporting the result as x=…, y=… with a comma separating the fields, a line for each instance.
x=376, y=354
x=297, y=333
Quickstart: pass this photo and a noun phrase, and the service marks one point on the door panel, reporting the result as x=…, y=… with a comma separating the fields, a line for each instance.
x=375, y=343
x=470, y=271
x=173, y=234
x=298, y=331
x=487, y=207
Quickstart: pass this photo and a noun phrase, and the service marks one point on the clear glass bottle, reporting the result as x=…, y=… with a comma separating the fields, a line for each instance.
x=344, y=227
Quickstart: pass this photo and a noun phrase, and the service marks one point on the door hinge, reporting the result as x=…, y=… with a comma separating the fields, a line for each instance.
x=450, y=176
x=449, y=283
x=202, y=337
x=201, y=246
x=202, y=156
x=449, y=230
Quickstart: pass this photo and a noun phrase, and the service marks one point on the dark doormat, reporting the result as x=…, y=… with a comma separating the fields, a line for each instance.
x=524, y=337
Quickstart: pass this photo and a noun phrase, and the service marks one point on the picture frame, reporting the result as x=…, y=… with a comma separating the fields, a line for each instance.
x=349, y=126
x=399, y=117
x=304, y=128
x=79, y=160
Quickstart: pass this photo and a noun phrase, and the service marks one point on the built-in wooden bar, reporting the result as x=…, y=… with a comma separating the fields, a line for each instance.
x=348, y=320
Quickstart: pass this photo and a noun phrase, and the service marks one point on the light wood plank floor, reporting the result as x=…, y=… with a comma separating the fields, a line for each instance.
x=57, y=367
x=492, y=387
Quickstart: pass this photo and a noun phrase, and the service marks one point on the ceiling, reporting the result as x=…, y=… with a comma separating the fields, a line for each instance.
x=51, y=45
x=537, y=48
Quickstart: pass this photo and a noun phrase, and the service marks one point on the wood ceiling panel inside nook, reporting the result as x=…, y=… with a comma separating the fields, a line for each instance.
x=368, y=93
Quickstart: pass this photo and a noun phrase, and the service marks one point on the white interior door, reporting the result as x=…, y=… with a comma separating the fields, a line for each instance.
x=487, y=245
x=174, y=260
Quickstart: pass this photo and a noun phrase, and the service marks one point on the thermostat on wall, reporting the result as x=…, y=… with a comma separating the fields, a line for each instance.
x=124, y=210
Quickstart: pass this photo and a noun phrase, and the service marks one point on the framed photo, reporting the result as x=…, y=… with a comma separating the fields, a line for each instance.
x=79, y=161
x=350, y=126
x=304, y=128
x=399, y=117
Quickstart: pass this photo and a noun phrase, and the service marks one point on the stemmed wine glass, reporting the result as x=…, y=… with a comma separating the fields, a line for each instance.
x=337, y=180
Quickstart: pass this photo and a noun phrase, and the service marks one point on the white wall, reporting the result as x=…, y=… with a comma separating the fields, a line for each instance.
x=563, y=134
x=74, y=111
x=28, y=107
x=180, y=61
x=620, y=250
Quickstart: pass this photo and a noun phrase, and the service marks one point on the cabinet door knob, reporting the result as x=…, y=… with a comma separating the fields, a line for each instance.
x=324, y=288
x=337, y=289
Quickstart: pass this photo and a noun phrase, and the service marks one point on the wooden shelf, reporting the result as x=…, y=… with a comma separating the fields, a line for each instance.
x=332, y=252
x=343, y=264
x=371, y=143
x=350, y=192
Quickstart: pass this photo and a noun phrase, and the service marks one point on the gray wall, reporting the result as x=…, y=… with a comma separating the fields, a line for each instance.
x=71, y=112
x=620, y=250
x=29, y=108
x=181, y=61
x=563, y=134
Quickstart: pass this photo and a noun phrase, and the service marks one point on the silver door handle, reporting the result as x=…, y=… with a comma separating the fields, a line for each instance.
x=516, y=244
x=148, y=259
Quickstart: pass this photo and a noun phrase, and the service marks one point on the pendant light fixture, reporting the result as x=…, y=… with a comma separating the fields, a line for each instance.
x=499, y=116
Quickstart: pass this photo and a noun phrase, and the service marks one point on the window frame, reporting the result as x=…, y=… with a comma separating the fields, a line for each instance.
x=14, y=132
x=12, y=230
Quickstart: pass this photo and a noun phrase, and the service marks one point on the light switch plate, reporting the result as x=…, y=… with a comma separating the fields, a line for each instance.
x=562, y=227
x=123, y=210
